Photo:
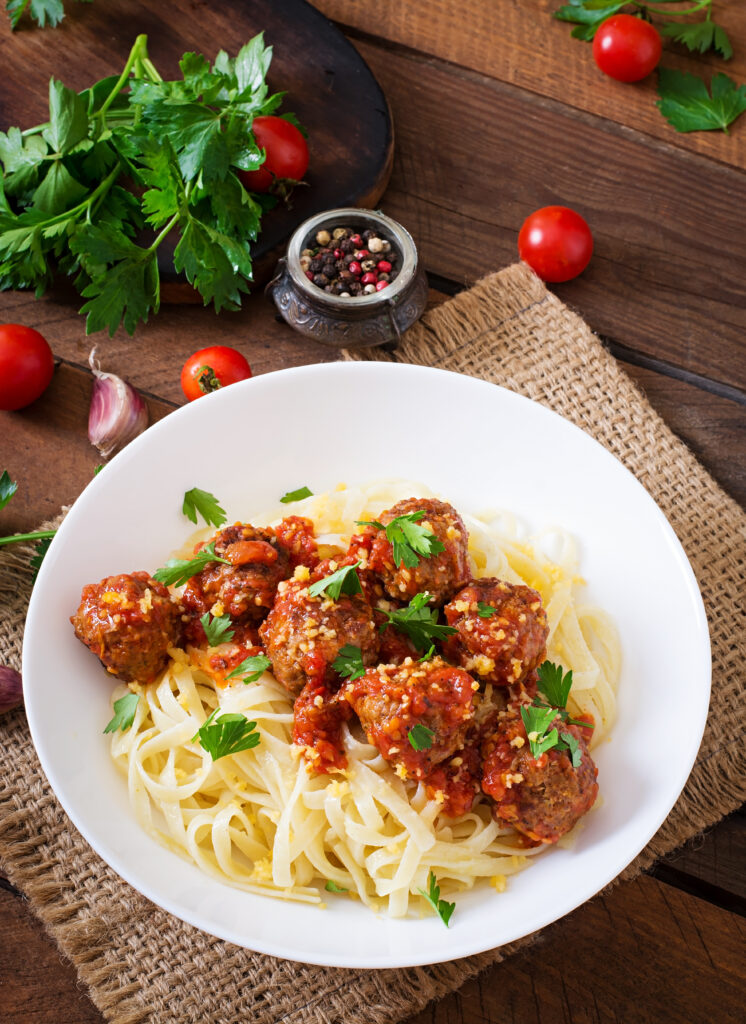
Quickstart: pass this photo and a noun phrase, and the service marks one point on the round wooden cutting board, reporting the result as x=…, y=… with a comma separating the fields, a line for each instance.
x=329, y=86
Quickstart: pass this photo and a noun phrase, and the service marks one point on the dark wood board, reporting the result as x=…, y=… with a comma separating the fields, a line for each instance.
x=328, y=85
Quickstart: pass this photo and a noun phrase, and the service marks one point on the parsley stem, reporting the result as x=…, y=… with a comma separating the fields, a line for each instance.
x=17, y=538
x=688, y=10
x=87, y=203
x=138, y=52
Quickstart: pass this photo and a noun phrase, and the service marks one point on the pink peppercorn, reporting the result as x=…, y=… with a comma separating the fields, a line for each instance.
x=338, y=254
x=369, y=278
x=309, y=275
x=356, y=240
x=380, y=285
x=355, y=268
x=384, y=266
x=362, y=254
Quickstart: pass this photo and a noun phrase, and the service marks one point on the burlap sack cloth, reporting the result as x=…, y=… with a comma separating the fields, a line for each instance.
x=141, y=964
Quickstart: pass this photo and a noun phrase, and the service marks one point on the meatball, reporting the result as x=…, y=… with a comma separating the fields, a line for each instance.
x=303, y=635
x=317, y=726
x=129, y=622
x=441, y=574
x=456, y=780
x=540, y=797
x=296, y=534
x=392, y=700
x=246, y=588
x=503, y=647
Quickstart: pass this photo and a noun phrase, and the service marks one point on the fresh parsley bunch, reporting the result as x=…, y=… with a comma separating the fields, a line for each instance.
x=128, y=163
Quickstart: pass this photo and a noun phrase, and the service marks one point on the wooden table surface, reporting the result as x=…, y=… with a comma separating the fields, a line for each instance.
x=497, y=111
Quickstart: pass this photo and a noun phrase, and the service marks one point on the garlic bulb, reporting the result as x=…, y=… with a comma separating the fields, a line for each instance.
x=117, y=414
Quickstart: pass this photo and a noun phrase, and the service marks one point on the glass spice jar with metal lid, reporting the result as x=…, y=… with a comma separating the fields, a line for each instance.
x=339, y=290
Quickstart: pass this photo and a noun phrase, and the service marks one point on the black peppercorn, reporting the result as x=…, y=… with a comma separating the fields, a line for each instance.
x=321, y=280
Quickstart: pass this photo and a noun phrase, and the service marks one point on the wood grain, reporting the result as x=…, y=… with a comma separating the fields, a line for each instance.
x=666, y=276
x=520, y=43
x=351, y=142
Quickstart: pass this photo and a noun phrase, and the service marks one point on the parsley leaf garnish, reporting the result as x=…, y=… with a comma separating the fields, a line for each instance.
x=420, y=737
x=408, y=540
x=587, y=15
x=286, y=499
x=699, y=36
x=42, y=11
x=485, y=611
x=251, y=668
x=349, y=662
x=441, y=908
x=8, y=488
x=40, y=550
x=689, y=107
x=333, y=887
x=569, y=742
x=554, y=684
x=178, y=570
x=217, y=630
x=124, y=712
x=418, y=622
x=537, y=721
x=206, y=504
x=343, y=581
x=229, y=734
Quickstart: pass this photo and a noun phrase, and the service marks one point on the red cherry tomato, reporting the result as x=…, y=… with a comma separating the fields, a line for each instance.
x=556, y=242
x=212, y=368
x=627, y=48
x=26, y=366
x=287, y=154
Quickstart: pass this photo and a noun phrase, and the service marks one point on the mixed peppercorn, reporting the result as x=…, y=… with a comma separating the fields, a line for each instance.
x=349, y=263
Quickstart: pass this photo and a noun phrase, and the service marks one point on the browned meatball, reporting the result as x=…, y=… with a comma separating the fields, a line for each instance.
x=246, y=588
x=541, y=797
x=303, y=635
x=129, y=622
x=440, y=574
x=503, y=646
x=393, y=700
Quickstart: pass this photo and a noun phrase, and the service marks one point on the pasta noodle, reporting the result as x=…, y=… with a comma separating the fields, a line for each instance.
x=259, y=821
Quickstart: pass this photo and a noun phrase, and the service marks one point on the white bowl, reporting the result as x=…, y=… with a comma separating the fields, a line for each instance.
x=476, y=444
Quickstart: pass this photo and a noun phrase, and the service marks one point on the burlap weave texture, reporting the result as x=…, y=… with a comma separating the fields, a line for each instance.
x=142, y=965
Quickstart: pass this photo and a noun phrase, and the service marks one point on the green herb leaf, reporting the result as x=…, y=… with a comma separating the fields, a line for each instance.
x=229, y=734
x=407, y=539
x=124, y=712
x=40, y=550
x=689, y=107
x=8, y=488
x=420, y=737
x=554, y=684
x=588, y=15
x=302, y=492
x=343, y=581
x=537, y=722
x=569, y=742
x=177, y=571
x=68, y=118
x=217, y=630
x=251, y=668
x=98, y=469
x=428, y=653
x=349, y=662
x=485, y=611
x=42, y=11
x=442, y=909
x=699, y=36
x=418, y=621
x=206, y=504
x=333, y=887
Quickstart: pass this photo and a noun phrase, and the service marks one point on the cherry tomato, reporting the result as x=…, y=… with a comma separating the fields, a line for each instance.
x=627, y=48
x=26, y=366
x=212, y=368
x=287, y=154
x=556, y=242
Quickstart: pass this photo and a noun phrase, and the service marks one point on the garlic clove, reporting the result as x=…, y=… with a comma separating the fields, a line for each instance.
x=11, y=689
x=117, y=414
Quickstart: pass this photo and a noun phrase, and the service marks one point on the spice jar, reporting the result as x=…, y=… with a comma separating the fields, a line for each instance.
x=350, y=321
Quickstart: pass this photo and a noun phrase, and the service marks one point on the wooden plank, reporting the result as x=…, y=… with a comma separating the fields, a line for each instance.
x=474, y=157
x=37, y=986
x=520, y=43
x=350, y=142
x=644, y=952
x=717, y=858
